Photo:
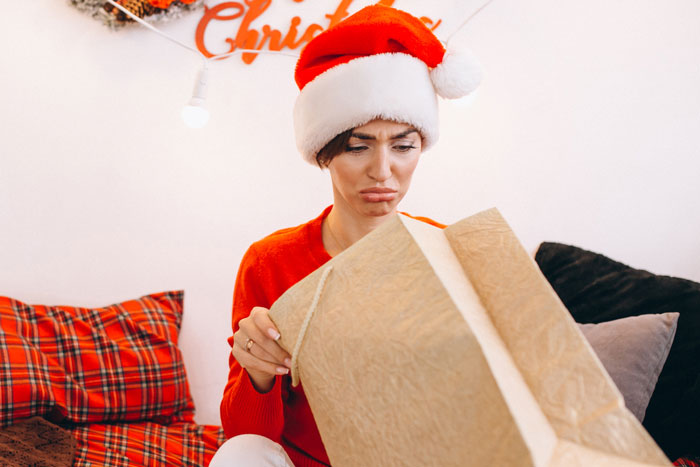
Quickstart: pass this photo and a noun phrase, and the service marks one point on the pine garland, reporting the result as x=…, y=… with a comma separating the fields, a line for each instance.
x=140, y=8
x=156, y=10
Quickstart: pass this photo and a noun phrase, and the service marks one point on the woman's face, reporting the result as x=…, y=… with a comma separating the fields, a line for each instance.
x=374, y=172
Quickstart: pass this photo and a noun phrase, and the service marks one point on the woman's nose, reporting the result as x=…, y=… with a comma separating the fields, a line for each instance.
x=380, y=165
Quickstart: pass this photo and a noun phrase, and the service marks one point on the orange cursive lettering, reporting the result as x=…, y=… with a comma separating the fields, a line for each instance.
x=309, y=34
x=340, y=13
x=211, y=14
x=247, y=37
x=429, y=22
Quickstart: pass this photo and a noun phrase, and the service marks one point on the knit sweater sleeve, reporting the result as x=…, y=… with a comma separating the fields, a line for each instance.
x=243, y=408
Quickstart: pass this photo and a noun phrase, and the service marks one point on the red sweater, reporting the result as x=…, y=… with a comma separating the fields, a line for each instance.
x=270, y=267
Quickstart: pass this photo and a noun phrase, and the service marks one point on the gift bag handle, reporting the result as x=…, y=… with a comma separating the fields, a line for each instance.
x=305, y=325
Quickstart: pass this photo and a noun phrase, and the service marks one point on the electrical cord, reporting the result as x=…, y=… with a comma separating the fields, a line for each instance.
x=190, y=48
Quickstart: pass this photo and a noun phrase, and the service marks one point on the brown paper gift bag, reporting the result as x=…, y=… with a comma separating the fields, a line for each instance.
x=420, y=346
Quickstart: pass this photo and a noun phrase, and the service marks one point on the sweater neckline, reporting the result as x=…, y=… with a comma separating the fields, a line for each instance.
x=315, y=236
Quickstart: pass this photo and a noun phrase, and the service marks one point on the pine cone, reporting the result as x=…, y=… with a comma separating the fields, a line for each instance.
x=140, y=8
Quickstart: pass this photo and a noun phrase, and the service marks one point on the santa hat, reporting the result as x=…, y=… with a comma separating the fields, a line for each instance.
x=378, y=63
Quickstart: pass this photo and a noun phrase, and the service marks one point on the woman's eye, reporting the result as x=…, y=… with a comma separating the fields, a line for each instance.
x=355, y=148
x=404, y=147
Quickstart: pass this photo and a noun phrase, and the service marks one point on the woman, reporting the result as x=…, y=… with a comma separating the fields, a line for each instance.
x=366, y=111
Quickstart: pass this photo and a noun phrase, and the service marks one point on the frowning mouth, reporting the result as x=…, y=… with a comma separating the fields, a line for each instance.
x=378, y=194
x=378, y=190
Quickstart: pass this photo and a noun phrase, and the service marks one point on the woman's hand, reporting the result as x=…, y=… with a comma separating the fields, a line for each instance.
x=256, y=349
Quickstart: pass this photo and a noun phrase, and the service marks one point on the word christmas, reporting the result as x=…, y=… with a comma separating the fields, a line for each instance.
x=248, y=37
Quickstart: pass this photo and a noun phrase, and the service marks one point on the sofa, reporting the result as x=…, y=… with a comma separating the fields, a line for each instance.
x=108, y=386
x=597, y=289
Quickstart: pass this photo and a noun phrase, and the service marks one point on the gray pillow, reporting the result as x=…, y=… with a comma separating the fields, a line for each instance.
x=633, y=350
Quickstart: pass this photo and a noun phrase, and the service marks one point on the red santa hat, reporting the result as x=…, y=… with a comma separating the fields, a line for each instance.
x=378, y=63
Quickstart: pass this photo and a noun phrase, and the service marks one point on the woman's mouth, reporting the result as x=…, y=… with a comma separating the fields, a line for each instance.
x=378, y=194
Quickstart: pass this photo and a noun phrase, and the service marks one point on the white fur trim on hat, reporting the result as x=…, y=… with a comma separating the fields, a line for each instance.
x=391, y=86
x=458, y=75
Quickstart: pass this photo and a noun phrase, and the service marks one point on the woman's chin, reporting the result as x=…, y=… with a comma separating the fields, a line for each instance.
x=379, y=209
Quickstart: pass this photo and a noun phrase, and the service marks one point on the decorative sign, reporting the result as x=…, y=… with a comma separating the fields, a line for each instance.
x=248, y=37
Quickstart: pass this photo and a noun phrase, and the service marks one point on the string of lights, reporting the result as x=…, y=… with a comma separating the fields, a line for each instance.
x=195, y=113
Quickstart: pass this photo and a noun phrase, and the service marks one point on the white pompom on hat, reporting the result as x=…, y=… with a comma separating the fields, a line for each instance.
x=457, y=75
x=378, y=63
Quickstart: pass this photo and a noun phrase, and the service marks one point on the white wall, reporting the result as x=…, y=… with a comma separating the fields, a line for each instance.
x=586, y=131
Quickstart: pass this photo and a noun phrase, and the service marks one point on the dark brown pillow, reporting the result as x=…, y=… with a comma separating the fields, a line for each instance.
x=595, y=289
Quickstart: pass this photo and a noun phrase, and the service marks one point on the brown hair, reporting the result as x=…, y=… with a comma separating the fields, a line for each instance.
x=332, y=148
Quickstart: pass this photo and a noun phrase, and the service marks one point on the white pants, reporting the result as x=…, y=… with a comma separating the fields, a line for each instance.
x=250, y=450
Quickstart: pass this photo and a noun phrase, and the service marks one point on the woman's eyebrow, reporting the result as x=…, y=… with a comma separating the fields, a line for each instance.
x=366, y=136
x=403, y=134
x=362, y=136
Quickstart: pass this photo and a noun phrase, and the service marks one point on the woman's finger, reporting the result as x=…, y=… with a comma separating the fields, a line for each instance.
x=249, y=345
x=251, y=362
x=263, y=341
x=260, y=316
x=262, y=320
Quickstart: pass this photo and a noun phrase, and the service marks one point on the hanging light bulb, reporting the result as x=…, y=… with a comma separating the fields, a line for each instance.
x=195, y=114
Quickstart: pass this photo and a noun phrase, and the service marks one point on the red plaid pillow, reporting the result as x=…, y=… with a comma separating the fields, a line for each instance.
x=79, y=365
x=146, y=444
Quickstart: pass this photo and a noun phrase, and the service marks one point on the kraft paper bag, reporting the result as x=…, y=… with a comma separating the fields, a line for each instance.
x=427, y=347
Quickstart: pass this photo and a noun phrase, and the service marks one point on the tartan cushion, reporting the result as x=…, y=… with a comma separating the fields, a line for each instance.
x=117, y=363
x=687, y=462
x=146, y=444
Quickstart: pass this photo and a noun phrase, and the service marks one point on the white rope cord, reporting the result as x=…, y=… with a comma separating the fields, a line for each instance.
x=256, y=51
x=464, y=23
x=192, y=49
x=239, y=51
x=305, y=325
x=152, y=28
